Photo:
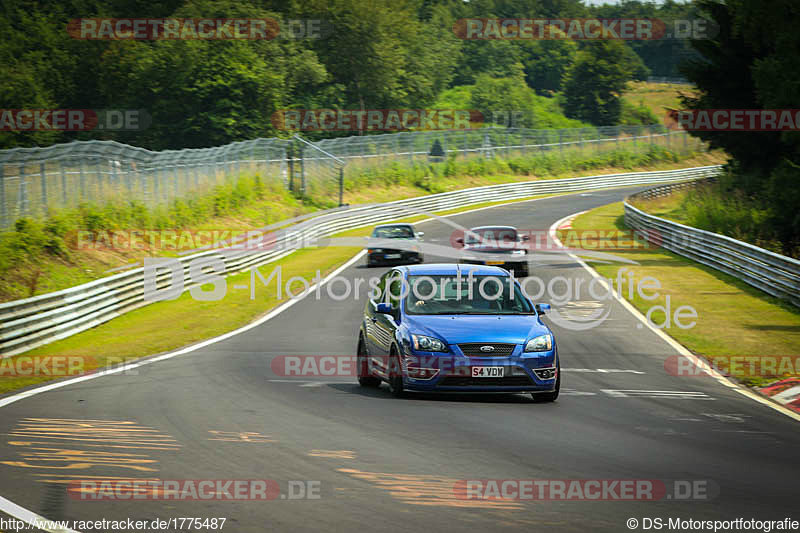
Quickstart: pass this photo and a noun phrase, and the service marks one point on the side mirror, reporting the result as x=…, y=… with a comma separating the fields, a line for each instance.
x=420, y=234
x=542, y=308
x=526, y=237
x=459, y=241
x=384, y=308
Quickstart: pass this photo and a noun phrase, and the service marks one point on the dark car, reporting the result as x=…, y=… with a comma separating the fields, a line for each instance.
x=394, y=244
x=496, y=246
x=456, y=328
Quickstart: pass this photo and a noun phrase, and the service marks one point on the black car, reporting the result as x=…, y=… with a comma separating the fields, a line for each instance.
x=394, y=244
x=496, y=246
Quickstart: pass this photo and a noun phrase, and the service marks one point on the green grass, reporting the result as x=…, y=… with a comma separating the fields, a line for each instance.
x=733, y=317
x=657, y=97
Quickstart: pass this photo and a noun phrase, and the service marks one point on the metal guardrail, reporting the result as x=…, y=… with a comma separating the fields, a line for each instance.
x=772, y=273
x=31, y=322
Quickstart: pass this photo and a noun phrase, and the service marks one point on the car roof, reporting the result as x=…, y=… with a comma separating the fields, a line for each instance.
x=451, y=269
x=394, y=225
x=493, y=227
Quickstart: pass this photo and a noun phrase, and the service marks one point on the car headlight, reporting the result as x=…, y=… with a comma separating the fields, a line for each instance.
x=542, y=343
x=428, y=344
x=518, y=252
x=375, y=250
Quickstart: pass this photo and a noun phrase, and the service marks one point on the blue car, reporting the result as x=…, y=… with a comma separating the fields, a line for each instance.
x=456, y=328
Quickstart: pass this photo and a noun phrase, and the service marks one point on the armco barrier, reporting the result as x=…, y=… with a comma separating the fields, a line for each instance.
x=773, y=273
x=32, y=322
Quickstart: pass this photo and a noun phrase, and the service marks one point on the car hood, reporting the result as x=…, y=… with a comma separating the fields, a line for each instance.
x=455, y=329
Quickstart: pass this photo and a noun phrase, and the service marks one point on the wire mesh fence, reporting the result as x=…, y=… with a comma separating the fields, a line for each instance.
x=65, y=175
x=33, y=180
x=413, y=147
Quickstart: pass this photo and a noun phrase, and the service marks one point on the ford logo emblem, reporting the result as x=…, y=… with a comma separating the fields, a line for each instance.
x=487, y=348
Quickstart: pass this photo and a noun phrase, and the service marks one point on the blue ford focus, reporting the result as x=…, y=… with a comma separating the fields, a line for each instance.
x=456, y=328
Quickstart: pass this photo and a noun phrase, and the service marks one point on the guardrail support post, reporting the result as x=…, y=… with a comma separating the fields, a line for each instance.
x=63, y=182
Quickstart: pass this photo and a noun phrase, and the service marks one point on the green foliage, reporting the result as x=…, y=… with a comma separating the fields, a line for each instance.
x=640, y=114
x=593, y=84
x=199, y=93
x=745, y=67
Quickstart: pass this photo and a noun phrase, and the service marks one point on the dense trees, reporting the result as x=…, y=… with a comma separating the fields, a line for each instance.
x=399, y=54
x=746, y=67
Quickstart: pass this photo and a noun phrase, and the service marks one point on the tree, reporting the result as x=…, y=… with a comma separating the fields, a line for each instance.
x=594, y=83
x=745, y=67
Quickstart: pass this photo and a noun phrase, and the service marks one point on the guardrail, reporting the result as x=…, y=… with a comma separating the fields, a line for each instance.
x=772, y=273
x=32, y=322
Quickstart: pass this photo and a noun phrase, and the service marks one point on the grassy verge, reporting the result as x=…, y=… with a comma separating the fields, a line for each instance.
x=40, y=256
x=734, y=319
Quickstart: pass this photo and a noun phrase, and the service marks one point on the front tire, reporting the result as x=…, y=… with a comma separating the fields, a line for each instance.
x=364, y=378
x=395, y=375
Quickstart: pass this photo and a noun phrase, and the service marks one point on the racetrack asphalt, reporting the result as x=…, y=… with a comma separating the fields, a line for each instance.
x=220, y=412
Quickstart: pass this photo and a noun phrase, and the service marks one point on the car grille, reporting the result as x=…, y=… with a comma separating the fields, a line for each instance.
x=468, y=381
x=474, y=349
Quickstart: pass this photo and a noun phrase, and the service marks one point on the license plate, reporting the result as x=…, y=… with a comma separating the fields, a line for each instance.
x=494, y=262
x=487, y=371
x=393, y=256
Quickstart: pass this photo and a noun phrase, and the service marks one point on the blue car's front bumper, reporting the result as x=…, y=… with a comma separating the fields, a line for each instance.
x=523, y=372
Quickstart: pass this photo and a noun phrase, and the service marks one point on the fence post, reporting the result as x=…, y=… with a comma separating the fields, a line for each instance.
x=341, y=186
x=3, y=213
x=290, y=153
x=22, y=201
x=81, y=167
x=129, y=180
x=44, y=185
x=302, y=171
x=64, y=198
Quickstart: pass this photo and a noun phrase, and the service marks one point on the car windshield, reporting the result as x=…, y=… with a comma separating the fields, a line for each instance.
x=393, y=232
x=491, y=236
x=452, y=295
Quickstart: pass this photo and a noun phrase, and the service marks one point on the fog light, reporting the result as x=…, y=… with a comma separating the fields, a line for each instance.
x=422, y=373
x=546, y=373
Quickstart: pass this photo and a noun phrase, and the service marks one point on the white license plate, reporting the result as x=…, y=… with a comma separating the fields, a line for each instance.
x=393, y=256
x=487, y=371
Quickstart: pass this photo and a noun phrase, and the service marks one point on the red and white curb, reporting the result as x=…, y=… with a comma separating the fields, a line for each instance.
x=786, y=392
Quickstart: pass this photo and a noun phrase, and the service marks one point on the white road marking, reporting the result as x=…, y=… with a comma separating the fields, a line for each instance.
x=671, y=394
x=603, y=370
x=572, y=392
x=682, y=350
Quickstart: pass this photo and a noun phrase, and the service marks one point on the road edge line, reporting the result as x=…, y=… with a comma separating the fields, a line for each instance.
x=680, y=348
